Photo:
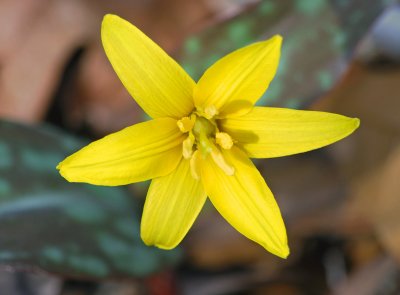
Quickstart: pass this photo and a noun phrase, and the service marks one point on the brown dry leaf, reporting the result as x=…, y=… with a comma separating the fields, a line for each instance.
x=373, y=96
x=214, y=244
x=385, y=208
x=308, y=190
x=369, y=159
x=369, y=280
x=33, y=71
x=16, y=17
x=98, y=99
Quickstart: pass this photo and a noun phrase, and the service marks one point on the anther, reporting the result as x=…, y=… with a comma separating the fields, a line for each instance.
x=186, y=124
x=187, y=146
x=224, y=140
x=220, y=161
x=210, y=111
x=194, y=165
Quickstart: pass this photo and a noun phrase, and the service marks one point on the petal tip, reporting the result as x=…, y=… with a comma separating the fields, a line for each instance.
x=281, y=250
x=356, y=123
x=353, y=124
x=164, y=247
x=277, y=38
x=150, y=243
x=64, y=164
x=64, y=169
x=64, y=173
x=284, y=253
x=109, y=22
x=275, y=41
x=109, y=17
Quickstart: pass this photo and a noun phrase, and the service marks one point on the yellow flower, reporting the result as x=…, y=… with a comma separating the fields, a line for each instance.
x=200, y=139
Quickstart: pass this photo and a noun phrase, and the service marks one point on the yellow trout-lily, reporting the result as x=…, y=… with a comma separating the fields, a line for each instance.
x=200, y=139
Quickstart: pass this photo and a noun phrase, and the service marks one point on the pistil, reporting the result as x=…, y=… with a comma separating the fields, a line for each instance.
x=203, y=140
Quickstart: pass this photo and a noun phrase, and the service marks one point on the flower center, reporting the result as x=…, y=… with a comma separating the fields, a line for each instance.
x=204, y=139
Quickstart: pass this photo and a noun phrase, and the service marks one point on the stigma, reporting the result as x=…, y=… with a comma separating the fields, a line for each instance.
x=204, y=140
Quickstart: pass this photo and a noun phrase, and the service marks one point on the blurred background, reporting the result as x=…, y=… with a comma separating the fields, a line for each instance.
x=341, y=204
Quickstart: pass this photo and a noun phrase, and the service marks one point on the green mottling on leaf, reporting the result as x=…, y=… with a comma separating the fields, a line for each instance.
x=86, y=213
x=5, y=255
x=5, y=188
x=190, y=69
x=271, y=95
x=54, y=206
x=112, y=245
x=332, y=28
x=127, y=227
x=240, y=33
x=71, y=247
x=389, y=2
x=310, y=7
x=140, y=260
x=123, y=256
x=39, y=161
x=266, y=7
x=339, y=40
x=88, y=264
x=343, y=3
x=289, y=47
x=8, y=255
x=356, y=17
x=5, y=156
x=337, y=37
x=113, y=198
x=53, y=254
x=192, y=45
x=325, y=79
x=145, y=259
x=33, y=202
x=70, y=143
x=293, y=103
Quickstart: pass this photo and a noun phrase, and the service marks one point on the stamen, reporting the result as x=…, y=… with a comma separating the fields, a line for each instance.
x=224, y=140
x=187, y=146
x=204, y=139
x=194, y=165
x=220, y=161
x=186, y=124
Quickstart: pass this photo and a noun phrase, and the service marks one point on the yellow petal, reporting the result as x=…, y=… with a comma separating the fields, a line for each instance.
x=275, y=132
x=235, y=82
x=140, y=152
x=158, y=84
x=172, y=204
x=245, y=201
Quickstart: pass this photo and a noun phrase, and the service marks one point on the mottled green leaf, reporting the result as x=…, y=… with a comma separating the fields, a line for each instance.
x=70, y=229
x=319, y=37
